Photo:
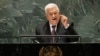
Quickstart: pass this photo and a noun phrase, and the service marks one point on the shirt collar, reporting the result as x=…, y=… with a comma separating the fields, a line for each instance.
x=51, y=27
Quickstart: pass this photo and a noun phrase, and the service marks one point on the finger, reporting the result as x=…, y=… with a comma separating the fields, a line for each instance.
x=64, y=20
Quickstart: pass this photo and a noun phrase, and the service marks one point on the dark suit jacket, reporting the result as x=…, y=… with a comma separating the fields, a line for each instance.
x=44, y=29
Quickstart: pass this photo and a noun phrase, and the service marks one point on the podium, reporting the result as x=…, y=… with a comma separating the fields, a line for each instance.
x=58, y=38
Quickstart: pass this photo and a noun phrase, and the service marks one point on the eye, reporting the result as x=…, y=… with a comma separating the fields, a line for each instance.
x=55, y=13
x=50, y=14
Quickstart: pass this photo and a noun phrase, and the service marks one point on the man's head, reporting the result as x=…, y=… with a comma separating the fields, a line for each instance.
x=50, y=51
x=52, y=13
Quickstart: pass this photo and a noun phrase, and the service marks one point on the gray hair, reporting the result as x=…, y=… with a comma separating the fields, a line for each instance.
x=50, y=5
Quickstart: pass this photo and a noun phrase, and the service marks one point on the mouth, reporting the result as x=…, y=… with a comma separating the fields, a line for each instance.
x=54, y=19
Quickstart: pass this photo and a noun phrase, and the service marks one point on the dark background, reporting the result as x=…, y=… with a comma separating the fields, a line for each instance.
x=33, y=49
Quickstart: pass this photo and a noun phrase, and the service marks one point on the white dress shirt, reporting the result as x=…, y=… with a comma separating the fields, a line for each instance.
x=51, y=27
x=56, y=27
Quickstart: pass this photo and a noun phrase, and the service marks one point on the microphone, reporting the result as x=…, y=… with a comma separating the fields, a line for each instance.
x=36, y=41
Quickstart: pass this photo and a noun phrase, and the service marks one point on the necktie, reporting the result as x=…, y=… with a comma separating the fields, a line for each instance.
x=53, y=33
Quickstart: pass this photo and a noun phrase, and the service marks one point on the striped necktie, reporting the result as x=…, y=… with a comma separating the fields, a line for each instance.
x=53, y=32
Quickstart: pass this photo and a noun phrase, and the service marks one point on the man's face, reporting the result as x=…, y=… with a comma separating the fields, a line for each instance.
x=53, y=15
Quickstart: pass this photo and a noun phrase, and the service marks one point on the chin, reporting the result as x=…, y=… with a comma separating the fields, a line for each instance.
x=54, y=24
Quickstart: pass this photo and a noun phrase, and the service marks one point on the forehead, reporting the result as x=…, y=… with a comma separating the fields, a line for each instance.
x=52, y=9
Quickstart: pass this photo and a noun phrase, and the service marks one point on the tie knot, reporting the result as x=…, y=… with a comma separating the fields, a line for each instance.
x=53, y=30
x=53, y=27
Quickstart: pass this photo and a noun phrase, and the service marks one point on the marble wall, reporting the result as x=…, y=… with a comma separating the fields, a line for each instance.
x=21, y=17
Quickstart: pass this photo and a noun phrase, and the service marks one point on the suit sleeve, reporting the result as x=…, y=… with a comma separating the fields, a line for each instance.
x=37, y=32
x=70, y=31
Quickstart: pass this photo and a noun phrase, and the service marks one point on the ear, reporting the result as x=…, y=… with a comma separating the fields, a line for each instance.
x=46, y=16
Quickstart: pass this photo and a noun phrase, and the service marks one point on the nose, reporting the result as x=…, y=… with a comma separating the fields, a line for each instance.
x=53, y=16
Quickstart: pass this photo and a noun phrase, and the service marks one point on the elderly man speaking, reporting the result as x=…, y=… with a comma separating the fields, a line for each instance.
x=57, y=24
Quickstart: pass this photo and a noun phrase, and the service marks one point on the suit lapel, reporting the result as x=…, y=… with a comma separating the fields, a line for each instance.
x=48, y=32
x=58, y=28
x=47, y=29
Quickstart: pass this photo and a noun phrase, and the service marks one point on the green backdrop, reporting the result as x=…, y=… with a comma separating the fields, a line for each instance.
x=19, y=17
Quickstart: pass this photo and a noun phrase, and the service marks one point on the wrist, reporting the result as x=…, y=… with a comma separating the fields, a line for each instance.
x=66, y=26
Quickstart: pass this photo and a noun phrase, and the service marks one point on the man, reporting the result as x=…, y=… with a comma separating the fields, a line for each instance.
x=56, y=24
